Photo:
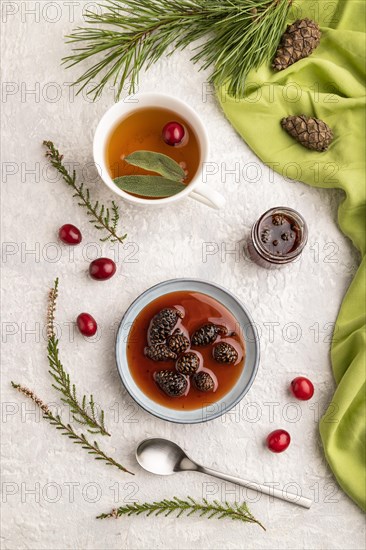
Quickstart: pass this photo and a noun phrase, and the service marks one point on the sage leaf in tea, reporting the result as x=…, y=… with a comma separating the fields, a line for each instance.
x=149, y=186
x=157, y=162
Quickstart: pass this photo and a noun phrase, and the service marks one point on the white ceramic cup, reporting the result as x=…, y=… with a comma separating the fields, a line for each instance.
x=196, y=188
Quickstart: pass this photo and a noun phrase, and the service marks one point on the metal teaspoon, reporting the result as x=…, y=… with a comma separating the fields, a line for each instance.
x=164, y=457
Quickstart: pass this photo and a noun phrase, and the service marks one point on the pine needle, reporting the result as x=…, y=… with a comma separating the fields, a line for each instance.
x=131, y=35
x=236, y=511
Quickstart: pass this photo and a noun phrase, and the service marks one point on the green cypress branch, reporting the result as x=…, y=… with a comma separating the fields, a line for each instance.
x=239, y=36
x=62, y=383
x=236, y=511
x=100, y=215
x=66, y=429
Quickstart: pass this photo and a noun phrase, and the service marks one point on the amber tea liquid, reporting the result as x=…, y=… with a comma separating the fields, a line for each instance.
x=142, y=130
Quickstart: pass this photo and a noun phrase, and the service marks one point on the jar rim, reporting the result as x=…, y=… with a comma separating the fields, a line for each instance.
x=264, y=252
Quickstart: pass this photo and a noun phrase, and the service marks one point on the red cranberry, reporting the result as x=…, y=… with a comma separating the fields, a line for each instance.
x=173, y=133
x=86, y=324
x=69, y=234
x=102, y=269
x=302, y=388
x=278, y=441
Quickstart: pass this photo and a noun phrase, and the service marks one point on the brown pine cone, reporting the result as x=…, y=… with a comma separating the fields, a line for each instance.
x=299, y=41
x=177, y=342
x=162, y=325
x=188, y=363
x=203, y=381
x=312, y=133
x=159, y=352
x=172, y=383
x=224, y=353
x=207, y=334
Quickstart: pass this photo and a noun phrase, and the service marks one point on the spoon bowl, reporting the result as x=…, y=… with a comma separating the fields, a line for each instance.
x=160, y=456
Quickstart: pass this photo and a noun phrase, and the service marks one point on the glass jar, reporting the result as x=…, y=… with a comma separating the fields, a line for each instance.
x=278, y=237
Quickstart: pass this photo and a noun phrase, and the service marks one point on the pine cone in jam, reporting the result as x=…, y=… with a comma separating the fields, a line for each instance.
x=207, y=334
x=188, y=363
x=223, y=352
x=299, y=41
x=172, y=383
x=178, y=342
x=162, y=325
x=278, y=219
x=312, y=133
x=203, y=381
x=160, y=352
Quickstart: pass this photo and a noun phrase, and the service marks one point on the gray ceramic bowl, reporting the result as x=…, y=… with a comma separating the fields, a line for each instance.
x=243, y=384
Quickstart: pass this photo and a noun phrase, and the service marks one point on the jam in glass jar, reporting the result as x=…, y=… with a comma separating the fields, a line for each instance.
x=278, y=237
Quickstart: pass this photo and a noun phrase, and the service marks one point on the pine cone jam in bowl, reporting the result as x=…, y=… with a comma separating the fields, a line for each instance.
x=187, y=351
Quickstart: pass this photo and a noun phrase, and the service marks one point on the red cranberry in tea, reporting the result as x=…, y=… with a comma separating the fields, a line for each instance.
x=86, y=324
x=278, y=441
x=102, y=269
x=302, y=388
x=173, y=133
x=69, y=234
x=172, y=383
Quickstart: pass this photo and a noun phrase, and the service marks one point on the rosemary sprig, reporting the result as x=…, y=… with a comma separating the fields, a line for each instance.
x=62, y=384
x=66, y=429
x=102, y=217
x=239, y=35
x=215, y=509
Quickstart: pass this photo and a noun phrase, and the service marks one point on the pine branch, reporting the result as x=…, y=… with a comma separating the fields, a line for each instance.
x=215, y=509
x=66, y=429
x=239, y=35
x=100, y=215
x=62, y=379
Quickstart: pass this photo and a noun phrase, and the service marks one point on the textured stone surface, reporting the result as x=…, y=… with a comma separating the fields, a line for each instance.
x=294, y=308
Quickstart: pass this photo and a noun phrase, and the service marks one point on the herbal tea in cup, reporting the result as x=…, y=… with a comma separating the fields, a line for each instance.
x=157, y=130
x=152, y=151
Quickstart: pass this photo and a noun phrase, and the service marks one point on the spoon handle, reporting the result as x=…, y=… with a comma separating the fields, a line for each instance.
x=265, y=489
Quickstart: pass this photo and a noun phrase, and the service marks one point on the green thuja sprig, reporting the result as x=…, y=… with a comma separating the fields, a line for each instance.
x=236, y=511
x=102, y=218
x=66, y=429
x=85, y=412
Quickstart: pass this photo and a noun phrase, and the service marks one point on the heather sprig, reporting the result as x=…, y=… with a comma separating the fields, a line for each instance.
x=219, y=510
x=83, y=412
x=66, y=429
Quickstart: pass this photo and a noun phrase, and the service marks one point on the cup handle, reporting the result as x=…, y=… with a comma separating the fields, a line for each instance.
x=208, y=196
